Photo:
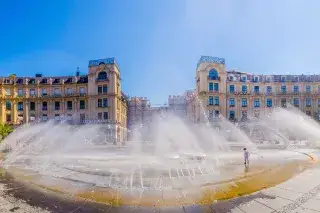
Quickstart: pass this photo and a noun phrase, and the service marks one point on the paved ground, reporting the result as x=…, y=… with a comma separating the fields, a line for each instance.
x=298, y=195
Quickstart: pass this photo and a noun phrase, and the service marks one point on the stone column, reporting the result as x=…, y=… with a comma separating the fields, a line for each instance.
x=14, y=112
x=2, y=111
x=26, y=112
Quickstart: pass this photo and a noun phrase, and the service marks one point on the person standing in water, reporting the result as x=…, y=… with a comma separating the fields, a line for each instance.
x=246, y=156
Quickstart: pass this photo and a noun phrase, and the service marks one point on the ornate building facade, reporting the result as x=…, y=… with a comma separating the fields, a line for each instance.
x=238, y=95
x=94, y=97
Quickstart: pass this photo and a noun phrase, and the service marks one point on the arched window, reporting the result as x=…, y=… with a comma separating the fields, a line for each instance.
x=213, y=74
x=102, y=75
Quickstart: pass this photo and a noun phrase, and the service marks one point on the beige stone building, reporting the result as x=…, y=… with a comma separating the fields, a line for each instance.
x=94, y=97
x=238, y=95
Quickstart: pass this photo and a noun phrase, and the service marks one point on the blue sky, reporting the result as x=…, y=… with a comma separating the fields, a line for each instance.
x=158, y=42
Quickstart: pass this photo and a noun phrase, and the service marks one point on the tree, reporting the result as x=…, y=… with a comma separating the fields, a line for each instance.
x=5, y=130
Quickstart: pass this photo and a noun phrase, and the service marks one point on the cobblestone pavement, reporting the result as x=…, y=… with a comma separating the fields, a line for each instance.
x=298, y=195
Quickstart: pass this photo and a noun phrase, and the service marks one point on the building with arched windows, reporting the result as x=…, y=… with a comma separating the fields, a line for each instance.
x=95, y=97
x=239, y=95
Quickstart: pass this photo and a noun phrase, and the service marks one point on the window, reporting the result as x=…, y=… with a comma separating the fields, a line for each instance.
x=283, y=78
x=56, y=105
x=82, y=104
x=99, y=115
x=213, y=74
x=69, y=91
x=216, y=101
x=20, y=92
x=44, y=117
x=105, y=116
x=8, y=118
x=20, y=106
x=102, y=76
x=256, y=89
x=210, y=100
x=216, y=113
x=216, y=87
x=308, y=88
x=244, y=116
x=99, y=89
x=231, y=89
x=243, y=78
x=269, y=89
x=57, y=117
x=8, y=91
x=231, y=102
x=296, y=102
x=231, y=115
x=32, y=92
x=256, y=102
x=99, y=103
x=284, y=103
x=244, y=89
x=244, y=102
x=269, y=102
x=44, y=106
x=210, y=86
x=308, y=102
x=82, y=91
x=69, y=105
x=44, y=91
x=295, y=89
x=283, y=89
x=105, y=89
x=82, y=118
x=256, y=78
x=8, y=105
x=211, y=113
x=57, y=91
x=105, y=102
x=32, y=106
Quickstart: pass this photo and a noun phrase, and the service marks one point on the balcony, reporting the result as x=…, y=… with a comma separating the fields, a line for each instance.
x=44, y=108
x=57, y=108
x=213, y=91
x=213, y=78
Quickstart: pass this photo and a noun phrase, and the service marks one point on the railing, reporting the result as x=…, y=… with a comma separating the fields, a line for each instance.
x=211, y=78
x=102, y=79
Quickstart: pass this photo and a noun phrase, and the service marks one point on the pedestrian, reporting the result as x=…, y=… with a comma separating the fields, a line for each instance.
x=246, y=156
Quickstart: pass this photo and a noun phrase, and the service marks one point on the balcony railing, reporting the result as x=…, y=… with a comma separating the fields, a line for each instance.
x=214, y=78
x=44, y=108
x=102, y=79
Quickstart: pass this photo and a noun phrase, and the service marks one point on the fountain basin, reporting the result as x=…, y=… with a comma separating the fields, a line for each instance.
x=112, y=186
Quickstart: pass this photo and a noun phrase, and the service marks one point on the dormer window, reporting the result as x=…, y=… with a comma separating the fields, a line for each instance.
x=231, y=78
x=268, y=78
x=308, y=78
x=6, y=81
x=256, y=79
x=19, y=81
x=44, y=81
x=32, y=81
x=244, y=78
x=283, y=78
x=68, y=81
x=56, y=81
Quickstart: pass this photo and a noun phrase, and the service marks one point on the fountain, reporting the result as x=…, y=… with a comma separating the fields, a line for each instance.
x=182, y=158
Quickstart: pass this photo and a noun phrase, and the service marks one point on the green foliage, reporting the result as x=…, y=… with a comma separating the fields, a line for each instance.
x=12, y=76
x=5, y=130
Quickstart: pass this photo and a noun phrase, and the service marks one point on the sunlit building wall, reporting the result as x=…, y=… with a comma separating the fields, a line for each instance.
x=238, y=95
x=94, y=97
